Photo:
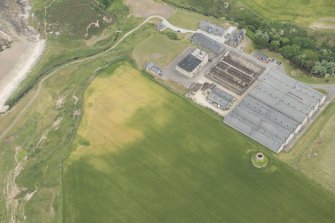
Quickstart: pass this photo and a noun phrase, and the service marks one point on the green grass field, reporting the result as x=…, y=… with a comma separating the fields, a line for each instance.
x=143, y=154
x=159, y=49
x=300, y=11
x=189, y=19
x=314, y=153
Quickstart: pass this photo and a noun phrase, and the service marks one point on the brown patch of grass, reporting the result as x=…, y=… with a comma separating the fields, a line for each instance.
x=111, y=103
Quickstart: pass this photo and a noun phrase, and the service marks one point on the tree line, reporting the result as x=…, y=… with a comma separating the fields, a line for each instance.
x=293, y=42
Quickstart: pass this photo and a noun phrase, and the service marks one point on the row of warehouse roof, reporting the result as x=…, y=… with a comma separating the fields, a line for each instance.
x=222, y=99
x=275, y=109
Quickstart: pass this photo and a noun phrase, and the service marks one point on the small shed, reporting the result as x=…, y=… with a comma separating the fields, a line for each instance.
x=160, y=26
x=152, y=68
x=262, y=57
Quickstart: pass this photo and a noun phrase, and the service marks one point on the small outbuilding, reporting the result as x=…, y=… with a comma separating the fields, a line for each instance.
x=262, y=57
x=152, y=68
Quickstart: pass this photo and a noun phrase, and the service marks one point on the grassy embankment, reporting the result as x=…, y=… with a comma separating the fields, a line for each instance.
x=151, y=156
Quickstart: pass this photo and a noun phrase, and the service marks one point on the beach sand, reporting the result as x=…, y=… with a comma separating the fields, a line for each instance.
x=15, y=64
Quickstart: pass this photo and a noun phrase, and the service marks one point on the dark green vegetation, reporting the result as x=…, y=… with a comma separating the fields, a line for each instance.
x=311, y=51
x=167, y=161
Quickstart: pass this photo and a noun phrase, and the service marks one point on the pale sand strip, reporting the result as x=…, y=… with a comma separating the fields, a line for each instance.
x=18, y=73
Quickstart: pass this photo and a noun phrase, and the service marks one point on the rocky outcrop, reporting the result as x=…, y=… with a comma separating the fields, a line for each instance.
x=14, y=17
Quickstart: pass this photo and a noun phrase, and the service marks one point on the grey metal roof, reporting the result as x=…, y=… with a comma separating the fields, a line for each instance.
x=149, y=65
x=238, y=123
x=297, y=86
x=274, y=83
x=273, y=110
x=261, y=56
x=266, y=140
x=223, y=94
x=309, y=91
x=246, y=127
x=289, y=108
x=156, y=70
x=211, y=28
x=263, y=122
x=269, y=112
x=219, y=100
x=207, y=43
x=189, y=63
x=290, y=82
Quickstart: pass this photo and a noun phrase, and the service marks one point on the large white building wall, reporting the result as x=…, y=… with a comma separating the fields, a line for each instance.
x=280, y=149
x=185, y=73
x=201, y=55
x=304, y=122
x=323, y=100
x=289, y=139
x=297, y=129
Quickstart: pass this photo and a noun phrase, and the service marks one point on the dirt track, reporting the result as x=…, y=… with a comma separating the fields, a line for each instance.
x=146, y=8
x=324, y=23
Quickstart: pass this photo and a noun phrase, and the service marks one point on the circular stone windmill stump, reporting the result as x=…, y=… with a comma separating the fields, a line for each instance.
x=260, y=156
x=259, y=160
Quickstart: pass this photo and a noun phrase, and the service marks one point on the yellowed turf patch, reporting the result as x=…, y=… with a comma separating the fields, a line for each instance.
x=110, y=105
